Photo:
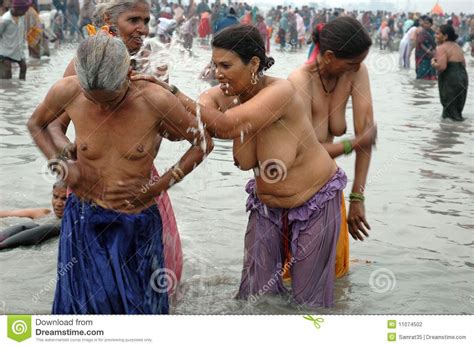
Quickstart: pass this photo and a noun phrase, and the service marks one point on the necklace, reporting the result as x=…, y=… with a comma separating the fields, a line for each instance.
x=322, y=82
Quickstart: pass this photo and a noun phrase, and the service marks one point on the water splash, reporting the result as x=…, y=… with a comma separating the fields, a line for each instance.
x=201, y=126
x=154, y=58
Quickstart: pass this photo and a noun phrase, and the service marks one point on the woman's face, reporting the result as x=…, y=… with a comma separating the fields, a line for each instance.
x=338, y=67
x=440, y=37
x=233, y=75
x=59, y=201
x=132, y=26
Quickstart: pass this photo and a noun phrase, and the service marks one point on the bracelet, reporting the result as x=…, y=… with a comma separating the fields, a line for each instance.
x=173, y=89
x=177, y=173
x=176, y=176
x=356, y=197
x=347, y=147
x=180, y=172
x=63, y=155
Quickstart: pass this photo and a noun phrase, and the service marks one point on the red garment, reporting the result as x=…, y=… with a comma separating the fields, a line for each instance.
x=173, y=253
x=315, y=52
x=204, y=28
x=246, y=19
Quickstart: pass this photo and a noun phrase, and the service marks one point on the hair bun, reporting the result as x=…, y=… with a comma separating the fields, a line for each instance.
x=269, y=61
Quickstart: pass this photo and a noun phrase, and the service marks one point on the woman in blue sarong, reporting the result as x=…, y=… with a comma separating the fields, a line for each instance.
x=111, y=249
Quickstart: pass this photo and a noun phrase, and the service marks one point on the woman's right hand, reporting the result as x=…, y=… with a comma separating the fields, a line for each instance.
x=70, y=151
x=366, y=139
x=150, y=78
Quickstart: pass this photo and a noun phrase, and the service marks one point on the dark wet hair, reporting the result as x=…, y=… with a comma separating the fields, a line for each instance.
x=345, y=36
x=246, y=42
x=449, y=31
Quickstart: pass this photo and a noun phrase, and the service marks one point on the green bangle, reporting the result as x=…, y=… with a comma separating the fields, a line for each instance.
x=356, y=197
x=347, y=147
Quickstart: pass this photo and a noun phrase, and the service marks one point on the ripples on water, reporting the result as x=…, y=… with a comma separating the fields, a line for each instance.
x=418, y=259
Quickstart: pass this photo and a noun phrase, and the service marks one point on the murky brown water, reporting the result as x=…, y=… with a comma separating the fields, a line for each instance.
x=419, y=258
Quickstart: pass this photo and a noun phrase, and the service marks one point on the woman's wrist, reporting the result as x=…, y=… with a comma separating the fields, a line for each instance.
x=356, y=197
x=348, y=146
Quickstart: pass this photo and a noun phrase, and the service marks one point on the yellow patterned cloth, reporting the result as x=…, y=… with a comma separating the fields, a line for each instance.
x=92, y=30
x=342, y=248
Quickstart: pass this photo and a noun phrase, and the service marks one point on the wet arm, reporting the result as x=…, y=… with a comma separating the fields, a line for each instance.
x=363, y=121
x=263, y=109
x=27, y=212
x=59, y=126
x=441, y=59
x=47, y=111
x=176, y=120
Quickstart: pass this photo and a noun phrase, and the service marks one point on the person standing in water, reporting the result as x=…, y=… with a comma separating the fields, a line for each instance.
x=129, y=19
x=295, y=197
x=453, y=81
x=111, y=225
x=325, y=84
x=425, y=50
x=12, y=39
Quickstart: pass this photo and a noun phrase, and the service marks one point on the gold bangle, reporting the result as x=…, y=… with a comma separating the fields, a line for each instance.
x=178, y=170
x=175, y=176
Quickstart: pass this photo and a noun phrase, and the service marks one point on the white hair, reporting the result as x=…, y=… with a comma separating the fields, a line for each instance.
x=102, y=63
x=112, y=9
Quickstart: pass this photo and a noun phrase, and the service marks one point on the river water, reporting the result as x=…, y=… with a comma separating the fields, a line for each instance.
x=420, y=192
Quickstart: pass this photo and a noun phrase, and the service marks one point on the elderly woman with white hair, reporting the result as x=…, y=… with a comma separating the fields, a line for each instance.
x=128, y=20
x=111, y=247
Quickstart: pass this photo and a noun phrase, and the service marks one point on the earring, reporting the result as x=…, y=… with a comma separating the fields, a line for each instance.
x=254, y=79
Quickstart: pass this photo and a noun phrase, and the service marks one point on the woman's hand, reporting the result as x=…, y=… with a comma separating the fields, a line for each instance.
x=150, y=78
x=358, y=226
x=69, y=151
x=130, y=194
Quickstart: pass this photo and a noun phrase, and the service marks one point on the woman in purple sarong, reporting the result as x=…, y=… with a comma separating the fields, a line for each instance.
x=295, y=198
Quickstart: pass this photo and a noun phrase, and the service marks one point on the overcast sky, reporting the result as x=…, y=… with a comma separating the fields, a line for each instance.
x=466, y=6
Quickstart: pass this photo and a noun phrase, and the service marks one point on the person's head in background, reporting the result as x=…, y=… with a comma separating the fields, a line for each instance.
x=127, y=18
x=18, y=8
x=58, y=199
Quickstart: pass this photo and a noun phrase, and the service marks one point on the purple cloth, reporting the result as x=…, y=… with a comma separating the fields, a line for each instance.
x=314, y=229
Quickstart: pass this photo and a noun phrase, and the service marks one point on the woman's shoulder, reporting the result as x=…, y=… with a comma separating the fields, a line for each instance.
x=280, y=83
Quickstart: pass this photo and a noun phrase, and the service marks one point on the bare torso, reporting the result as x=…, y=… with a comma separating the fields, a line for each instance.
x=289, y=162
x=114, y=145
x=328, y=112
